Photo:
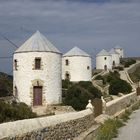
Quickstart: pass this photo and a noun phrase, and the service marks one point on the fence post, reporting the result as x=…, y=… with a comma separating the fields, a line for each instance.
x=90, y=106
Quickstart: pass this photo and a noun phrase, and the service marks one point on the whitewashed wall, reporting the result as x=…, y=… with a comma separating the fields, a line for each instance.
x=101, y=62
x=120, y=51
x=50, y=75
x=116, y=58
x=77, y=68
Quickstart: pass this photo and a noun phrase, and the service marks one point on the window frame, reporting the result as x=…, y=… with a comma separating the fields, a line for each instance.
x=15, y=64
x=88, y=67
x=67, y=62
x=37, y=65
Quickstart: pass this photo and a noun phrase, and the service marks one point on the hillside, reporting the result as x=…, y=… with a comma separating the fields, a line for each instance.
x=135, y=76
x=6, y=84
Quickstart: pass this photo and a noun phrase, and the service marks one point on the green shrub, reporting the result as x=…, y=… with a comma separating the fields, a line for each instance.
x=119, y=68
x=125, y=117
x=6, y=85
x=78, y=95
x=113, y=76
x=88, y=86
x=76, y=98
x=99, y=77
x=66, y=84
x=135, y=76
x=119, y=86
x=109, y=129
x=128, y=62
x=14, y=111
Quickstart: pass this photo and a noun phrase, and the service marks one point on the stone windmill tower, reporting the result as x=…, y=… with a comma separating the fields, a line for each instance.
x=115, y=57
x=37, y=68
x=76, y=65
x=119, y=50
x=103, y=60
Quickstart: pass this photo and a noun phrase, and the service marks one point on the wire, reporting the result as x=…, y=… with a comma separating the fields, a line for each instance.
x=10, y=41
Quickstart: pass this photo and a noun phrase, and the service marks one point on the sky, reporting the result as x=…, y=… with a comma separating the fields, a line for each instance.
x=91, y=25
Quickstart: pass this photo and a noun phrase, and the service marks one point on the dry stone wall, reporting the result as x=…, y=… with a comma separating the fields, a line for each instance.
x=58, y=127
x=120, y=104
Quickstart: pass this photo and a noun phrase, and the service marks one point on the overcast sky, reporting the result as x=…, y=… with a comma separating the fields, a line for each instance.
x=91, y=25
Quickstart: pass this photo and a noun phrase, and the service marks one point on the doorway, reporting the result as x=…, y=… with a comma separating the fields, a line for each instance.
x=37, y=95
x=114, y=64
x=105, y=67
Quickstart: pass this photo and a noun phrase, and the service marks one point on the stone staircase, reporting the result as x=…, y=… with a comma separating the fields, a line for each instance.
x=102, y=89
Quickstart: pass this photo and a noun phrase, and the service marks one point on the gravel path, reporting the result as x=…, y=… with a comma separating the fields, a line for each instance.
x=132, y=129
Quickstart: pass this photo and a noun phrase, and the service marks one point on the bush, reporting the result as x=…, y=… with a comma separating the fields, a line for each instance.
x=135, y=76
x=128, y=62
x=78, y=95
x=66, y=84
x=109, y=129
x=6, y=85
x=90, y=89
x=125, y=117
x=99, y=77
x=119, y=86
x=113, y=76
x=14, y=111
x=119, y=68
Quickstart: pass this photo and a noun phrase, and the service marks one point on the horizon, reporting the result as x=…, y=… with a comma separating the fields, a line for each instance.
x=91, y=25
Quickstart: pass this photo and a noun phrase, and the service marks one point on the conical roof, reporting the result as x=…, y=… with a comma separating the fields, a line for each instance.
x=76, y=52
x=112, y=51
x=37, y=43
x=103, y=53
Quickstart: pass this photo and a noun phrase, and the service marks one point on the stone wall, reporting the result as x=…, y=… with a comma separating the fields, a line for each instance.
x=62, y=127
x=119, y=104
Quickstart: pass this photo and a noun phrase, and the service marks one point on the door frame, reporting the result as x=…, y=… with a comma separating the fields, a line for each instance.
x=41, y=94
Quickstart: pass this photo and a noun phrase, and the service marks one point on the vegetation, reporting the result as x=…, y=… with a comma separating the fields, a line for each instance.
x=66, y=84
x=99, y=77
x=109, y=129
x=95, y=72
x=78, y=94
x=14, y=111
x=6, y=85
x=128, y=62
x=135, y=76
x=125, y=117
x=120, y=68
x=117, y=85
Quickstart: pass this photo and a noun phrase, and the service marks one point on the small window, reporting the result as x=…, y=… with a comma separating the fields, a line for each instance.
x=67, y=62
x=67, y=76
x=15, y=64
x=105, y=58
x=113, y=63
x=88, y=67
x=37, y=63
x=16, y=92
